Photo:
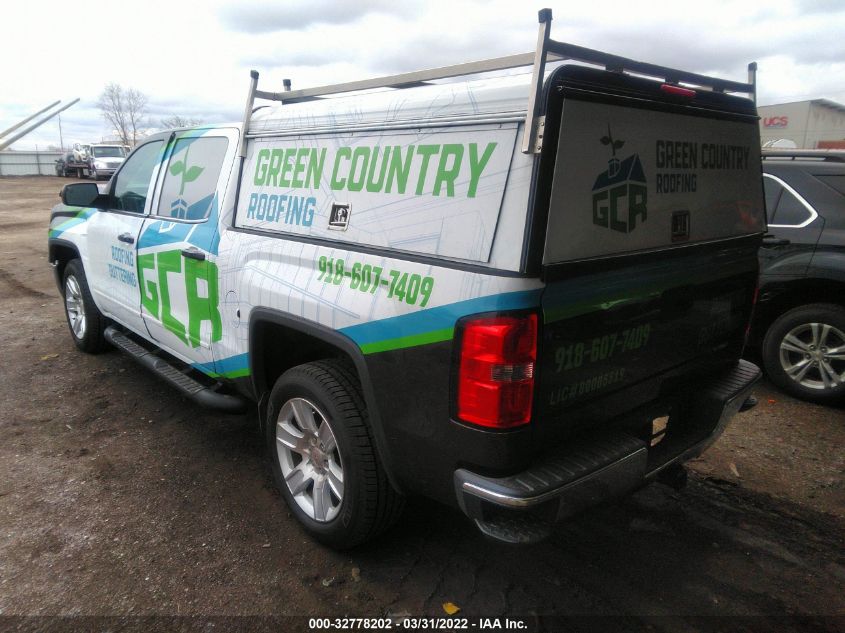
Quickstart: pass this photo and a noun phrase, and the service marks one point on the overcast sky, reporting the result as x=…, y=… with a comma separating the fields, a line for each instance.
x=193, y=58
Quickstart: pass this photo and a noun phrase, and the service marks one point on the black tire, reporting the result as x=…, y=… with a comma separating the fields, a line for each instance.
x=369, y=504
x=89, y=338
x=816, y=384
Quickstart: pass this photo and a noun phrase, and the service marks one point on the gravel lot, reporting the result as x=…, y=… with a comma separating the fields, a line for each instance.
x=120, y=498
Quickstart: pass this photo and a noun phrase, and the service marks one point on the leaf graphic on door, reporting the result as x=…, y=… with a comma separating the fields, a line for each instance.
x=189, y=174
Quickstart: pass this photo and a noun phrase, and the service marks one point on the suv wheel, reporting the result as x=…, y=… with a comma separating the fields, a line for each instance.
x=85, y=321
x=323, y=457
x=804, y=352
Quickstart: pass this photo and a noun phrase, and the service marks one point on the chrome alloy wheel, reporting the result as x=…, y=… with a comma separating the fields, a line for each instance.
x=75, y=307
x=813, y=355
x=309, y=459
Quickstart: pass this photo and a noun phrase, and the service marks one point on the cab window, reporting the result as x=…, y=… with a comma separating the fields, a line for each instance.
x=132, y=182
x=190, y=182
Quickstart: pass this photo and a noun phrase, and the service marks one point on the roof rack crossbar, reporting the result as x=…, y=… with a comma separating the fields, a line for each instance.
x=403, y=80
x=547, y=50
x=671, y=75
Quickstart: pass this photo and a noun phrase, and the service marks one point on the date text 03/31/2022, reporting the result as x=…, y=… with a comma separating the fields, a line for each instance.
x=400, y=286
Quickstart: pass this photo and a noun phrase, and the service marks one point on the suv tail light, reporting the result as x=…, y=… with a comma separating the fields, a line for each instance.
x=495, y=385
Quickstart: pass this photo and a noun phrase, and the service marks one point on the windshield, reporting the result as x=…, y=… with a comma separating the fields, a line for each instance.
x=110, y=151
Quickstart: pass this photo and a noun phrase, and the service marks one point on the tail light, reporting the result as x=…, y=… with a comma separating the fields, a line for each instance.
x=495, y=385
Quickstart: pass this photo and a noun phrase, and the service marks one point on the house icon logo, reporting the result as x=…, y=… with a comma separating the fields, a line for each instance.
x=620, y=194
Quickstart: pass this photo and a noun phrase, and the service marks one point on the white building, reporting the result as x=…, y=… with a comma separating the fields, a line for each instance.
x=815, y=124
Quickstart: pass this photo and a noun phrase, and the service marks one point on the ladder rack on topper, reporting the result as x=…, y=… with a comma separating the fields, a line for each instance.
x=548, y=50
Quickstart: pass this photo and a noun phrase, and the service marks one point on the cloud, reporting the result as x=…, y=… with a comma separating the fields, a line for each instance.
x=277, y=56
x=266, y=16
x=818, y=6
x=201, y=71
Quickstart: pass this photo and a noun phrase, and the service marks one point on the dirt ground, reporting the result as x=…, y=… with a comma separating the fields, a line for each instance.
x=118, y=497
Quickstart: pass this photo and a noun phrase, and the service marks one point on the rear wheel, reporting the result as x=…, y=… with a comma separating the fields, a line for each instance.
x=85, y=321
x=323, y=456
x=804, y=352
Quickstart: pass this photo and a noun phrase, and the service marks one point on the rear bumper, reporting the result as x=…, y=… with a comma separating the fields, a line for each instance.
x=591, y=470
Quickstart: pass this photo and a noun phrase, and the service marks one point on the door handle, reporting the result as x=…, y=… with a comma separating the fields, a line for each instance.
x=193, y=253
x=126, y=237
x=771, y=240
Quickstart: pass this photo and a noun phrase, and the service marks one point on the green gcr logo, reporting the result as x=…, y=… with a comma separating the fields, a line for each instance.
x=153, y=270
x=620, y=193
x=179, y=207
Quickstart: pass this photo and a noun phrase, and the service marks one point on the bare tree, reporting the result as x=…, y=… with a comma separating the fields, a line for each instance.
x=123, y=108
x=174, y=121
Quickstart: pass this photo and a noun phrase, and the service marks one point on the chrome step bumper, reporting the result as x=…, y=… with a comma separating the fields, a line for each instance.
x=591, y=470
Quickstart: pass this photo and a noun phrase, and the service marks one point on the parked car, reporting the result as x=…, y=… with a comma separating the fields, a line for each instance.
x=63, y=165
x=799, y=323
x=91, y=161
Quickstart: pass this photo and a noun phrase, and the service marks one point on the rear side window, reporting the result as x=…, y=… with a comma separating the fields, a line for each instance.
x=133, y=181
x=191, y=179
x=773, y=191
x=791, y=211
x=785, y=208
x=834, y=182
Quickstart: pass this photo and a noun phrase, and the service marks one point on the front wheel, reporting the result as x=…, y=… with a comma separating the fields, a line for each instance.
x=804, y=352
x=85, y=321
x=323, y=456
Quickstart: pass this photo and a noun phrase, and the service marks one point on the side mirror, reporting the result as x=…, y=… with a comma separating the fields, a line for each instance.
x=80, y=194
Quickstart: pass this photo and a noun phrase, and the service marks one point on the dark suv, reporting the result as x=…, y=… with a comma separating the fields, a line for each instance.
x=799, y=324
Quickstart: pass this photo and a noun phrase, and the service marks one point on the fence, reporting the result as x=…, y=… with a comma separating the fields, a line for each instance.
x=28, y=163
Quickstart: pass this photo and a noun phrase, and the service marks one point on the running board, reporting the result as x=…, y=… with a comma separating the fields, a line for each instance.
x=194, y=389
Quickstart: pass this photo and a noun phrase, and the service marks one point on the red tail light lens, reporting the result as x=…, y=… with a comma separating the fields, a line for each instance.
x=496, y=373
